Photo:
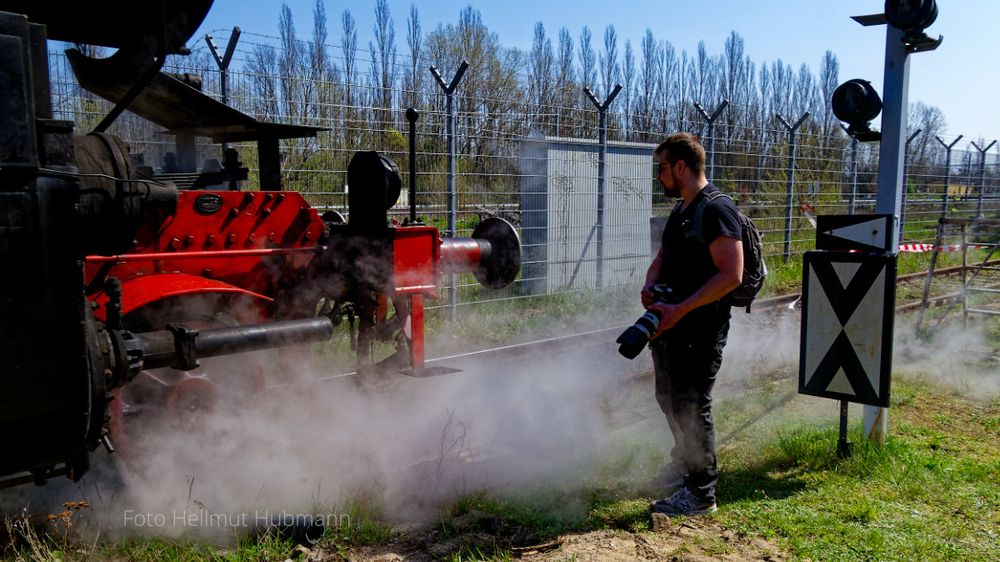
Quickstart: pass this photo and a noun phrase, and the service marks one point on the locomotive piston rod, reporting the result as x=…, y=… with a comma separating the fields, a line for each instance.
x=180, y=347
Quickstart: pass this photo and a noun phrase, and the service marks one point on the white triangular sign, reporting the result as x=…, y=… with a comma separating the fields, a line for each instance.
x=870, y=233
x=839, y=383
x=845, y=271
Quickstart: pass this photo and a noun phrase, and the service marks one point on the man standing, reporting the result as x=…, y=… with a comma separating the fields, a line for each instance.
x=700, y=260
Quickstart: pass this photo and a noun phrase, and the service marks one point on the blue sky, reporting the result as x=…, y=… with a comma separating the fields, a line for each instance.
x=960, y=77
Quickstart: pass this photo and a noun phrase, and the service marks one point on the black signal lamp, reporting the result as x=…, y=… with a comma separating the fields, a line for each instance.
x=912, y=16
x=856, y=102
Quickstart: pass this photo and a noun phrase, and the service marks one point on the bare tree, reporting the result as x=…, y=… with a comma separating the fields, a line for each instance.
x=318, y=92
x=628, y=77
x=649, y=71
x=829, y=71
x=806, y=92
x=351, y=128
x=782, y=86
x=540, y=63
x=931, y=122
x=669, y=82
x=414, y=41
x=384, y=53
x=489, y=91
x=735, y=76
x=566, y=88
x=290, y=67
x=588, y=64
x=610, y=69
x=263, y=68
x=349, y=44
x=588, y=75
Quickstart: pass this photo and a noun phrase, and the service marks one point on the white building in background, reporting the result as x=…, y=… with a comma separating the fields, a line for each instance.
x=559, y=192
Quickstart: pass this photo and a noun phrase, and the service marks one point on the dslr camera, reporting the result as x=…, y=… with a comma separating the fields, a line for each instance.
x=636, y=336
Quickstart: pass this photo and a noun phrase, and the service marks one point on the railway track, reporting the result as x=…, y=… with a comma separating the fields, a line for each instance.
x=606, y=336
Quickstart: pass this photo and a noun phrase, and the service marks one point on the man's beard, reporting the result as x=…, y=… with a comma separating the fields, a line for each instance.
x=672, y=192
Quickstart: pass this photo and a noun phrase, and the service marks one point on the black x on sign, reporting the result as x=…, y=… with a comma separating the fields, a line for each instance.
x=846, y=346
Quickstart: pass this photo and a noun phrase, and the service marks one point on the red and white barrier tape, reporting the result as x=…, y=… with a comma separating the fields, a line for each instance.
x=918, y=248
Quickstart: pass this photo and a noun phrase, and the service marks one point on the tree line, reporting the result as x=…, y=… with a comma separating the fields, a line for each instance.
x=359, y=93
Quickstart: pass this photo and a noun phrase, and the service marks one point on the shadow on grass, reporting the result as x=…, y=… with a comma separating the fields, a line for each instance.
x=756, y=483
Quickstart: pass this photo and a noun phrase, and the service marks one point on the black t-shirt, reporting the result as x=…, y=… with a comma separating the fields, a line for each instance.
x=687, y=264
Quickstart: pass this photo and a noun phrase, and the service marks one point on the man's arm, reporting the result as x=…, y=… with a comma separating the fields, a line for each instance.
x=727, y=255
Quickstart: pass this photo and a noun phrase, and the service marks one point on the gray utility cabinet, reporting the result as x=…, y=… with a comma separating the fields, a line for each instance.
x=559, y=195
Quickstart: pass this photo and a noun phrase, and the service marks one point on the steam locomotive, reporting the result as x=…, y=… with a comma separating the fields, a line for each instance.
x=116, y=285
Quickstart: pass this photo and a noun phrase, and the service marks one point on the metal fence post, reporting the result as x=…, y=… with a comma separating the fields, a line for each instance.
x=906, y=162
x=852, y=198
x=947, y=172
x=982, y=175
x=449, y=91
x=602, y=140
x=711, y=135
x=854, y=175
x=223, y=62
x=789, y=200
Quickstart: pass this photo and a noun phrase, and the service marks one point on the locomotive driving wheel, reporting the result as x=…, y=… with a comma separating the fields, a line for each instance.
x=163, y=403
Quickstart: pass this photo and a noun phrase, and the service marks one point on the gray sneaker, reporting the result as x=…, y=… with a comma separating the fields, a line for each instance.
x=683, y=503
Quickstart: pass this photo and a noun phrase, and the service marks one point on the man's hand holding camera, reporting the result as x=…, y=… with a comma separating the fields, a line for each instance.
x=647, y=296
x=670, y=314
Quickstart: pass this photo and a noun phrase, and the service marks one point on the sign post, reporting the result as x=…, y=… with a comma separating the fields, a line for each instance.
x=905, y=21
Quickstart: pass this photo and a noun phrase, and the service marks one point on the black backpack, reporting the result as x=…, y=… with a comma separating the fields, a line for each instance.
x=754, y=268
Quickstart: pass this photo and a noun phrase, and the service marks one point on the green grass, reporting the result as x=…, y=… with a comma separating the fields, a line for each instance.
x=932, y=492
x=903, y=501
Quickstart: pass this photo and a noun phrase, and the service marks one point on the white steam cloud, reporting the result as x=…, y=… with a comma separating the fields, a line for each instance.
x=411, y=445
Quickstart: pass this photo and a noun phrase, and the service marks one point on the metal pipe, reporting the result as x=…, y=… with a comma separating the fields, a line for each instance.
x=460, y=255
x=412, y=116
x=843, y=447
x=492, y=255
x=237, y=339
x=167, y=348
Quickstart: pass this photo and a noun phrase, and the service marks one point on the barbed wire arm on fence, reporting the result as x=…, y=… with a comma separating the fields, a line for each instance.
x=982, y=174
x=947, y=172
x=450, y=88
x=711, y=135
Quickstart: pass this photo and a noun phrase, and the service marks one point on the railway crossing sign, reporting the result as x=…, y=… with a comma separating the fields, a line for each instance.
x=866, y=233
x=847, y=321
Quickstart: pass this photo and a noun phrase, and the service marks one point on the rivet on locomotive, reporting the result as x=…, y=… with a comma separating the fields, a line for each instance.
x=108, y=272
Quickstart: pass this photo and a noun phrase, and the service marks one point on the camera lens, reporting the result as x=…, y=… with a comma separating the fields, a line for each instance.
x=635, y=337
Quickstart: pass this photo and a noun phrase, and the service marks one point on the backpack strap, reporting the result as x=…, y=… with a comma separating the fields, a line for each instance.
x=699, y=212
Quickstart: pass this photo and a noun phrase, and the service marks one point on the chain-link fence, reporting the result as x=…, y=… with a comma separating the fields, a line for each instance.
x=537, y=165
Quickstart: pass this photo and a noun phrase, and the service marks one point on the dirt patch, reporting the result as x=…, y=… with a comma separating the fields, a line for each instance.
x=694, y=539
x=691, y=539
